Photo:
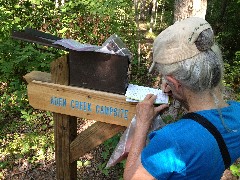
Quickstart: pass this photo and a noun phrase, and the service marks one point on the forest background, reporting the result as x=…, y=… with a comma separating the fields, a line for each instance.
x=26, y=135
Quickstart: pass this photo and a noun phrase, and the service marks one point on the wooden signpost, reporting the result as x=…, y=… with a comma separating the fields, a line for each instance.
x=52, y=92
x=80, y=102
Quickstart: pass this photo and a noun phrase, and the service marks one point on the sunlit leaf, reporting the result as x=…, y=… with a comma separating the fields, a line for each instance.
x=17, y=6
x=17, y=19
x=63, y=30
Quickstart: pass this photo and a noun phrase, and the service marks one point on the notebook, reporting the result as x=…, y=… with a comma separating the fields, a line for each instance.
x=136, y=93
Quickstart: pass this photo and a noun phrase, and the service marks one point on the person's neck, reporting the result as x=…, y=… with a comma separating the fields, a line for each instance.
x=205, y=100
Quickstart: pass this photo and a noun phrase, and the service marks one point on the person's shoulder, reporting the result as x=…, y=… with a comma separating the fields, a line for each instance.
x=233, y=108
x=182, y=122
x=234, y=103
x=180, y=126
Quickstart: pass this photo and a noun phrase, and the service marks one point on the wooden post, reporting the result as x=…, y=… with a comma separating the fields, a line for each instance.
x=92, y=137
x=65, y=127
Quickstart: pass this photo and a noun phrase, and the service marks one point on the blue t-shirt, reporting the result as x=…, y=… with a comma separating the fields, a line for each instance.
x=186, y=150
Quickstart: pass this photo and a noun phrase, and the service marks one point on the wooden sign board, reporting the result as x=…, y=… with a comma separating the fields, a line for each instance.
x=79, y=102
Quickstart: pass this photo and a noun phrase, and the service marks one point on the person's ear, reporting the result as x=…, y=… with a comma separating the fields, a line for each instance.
x=172, y=81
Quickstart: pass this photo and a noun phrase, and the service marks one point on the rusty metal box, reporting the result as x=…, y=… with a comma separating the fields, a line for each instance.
x=98, y=71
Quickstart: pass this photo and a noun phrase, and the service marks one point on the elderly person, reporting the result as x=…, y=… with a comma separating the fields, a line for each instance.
x=206, y=141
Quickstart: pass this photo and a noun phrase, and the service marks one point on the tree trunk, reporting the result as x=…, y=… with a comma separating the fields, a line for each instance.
x=189, y=8
x=142, y=9
x=162, y=11
x=156, y=13
x=154, y=2
x=56, y=4
x=137, y=17
x=62, y=2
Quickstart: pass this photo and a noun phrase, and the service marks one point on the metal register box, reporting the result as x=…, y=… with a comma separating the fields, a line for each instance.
x=99, y=71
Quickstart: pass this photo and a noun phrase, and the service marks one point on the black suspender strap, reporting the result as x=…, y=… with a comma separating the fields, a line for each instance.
x=213, y=130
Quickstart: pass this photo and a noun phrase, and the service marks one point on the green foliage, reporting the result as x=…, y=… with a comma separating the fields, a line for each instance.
x=103, y=169
x=27, y=139
x=109, y=146
x=17, y=59
x=235, y=168
x=222, y=17
x=232, y=76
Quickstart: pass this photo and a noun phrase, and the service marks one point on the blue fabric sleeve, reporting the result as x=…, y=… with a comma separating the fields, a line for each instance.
x=161, y=156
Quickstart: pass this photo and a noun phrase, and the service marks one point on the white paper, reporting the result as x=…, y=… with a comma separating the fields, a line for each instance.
x=138, y=93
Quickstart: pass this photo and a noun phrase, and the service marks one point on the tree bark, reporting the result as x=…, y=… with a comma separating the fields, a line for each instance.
x=162, y=11
x=62, y=2
x=156, y=13
x=56, y=4
x=189, y=8
x=142, y=9
x=154, y=2
x=137, y=17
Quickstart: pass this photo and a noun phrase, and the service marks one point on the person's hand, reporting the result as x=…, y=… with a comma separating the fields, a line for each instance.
x=146, y=111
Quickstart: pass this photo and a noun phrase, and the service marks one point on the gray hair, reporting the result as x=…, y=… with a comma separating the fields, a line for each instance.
x=203, y=71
